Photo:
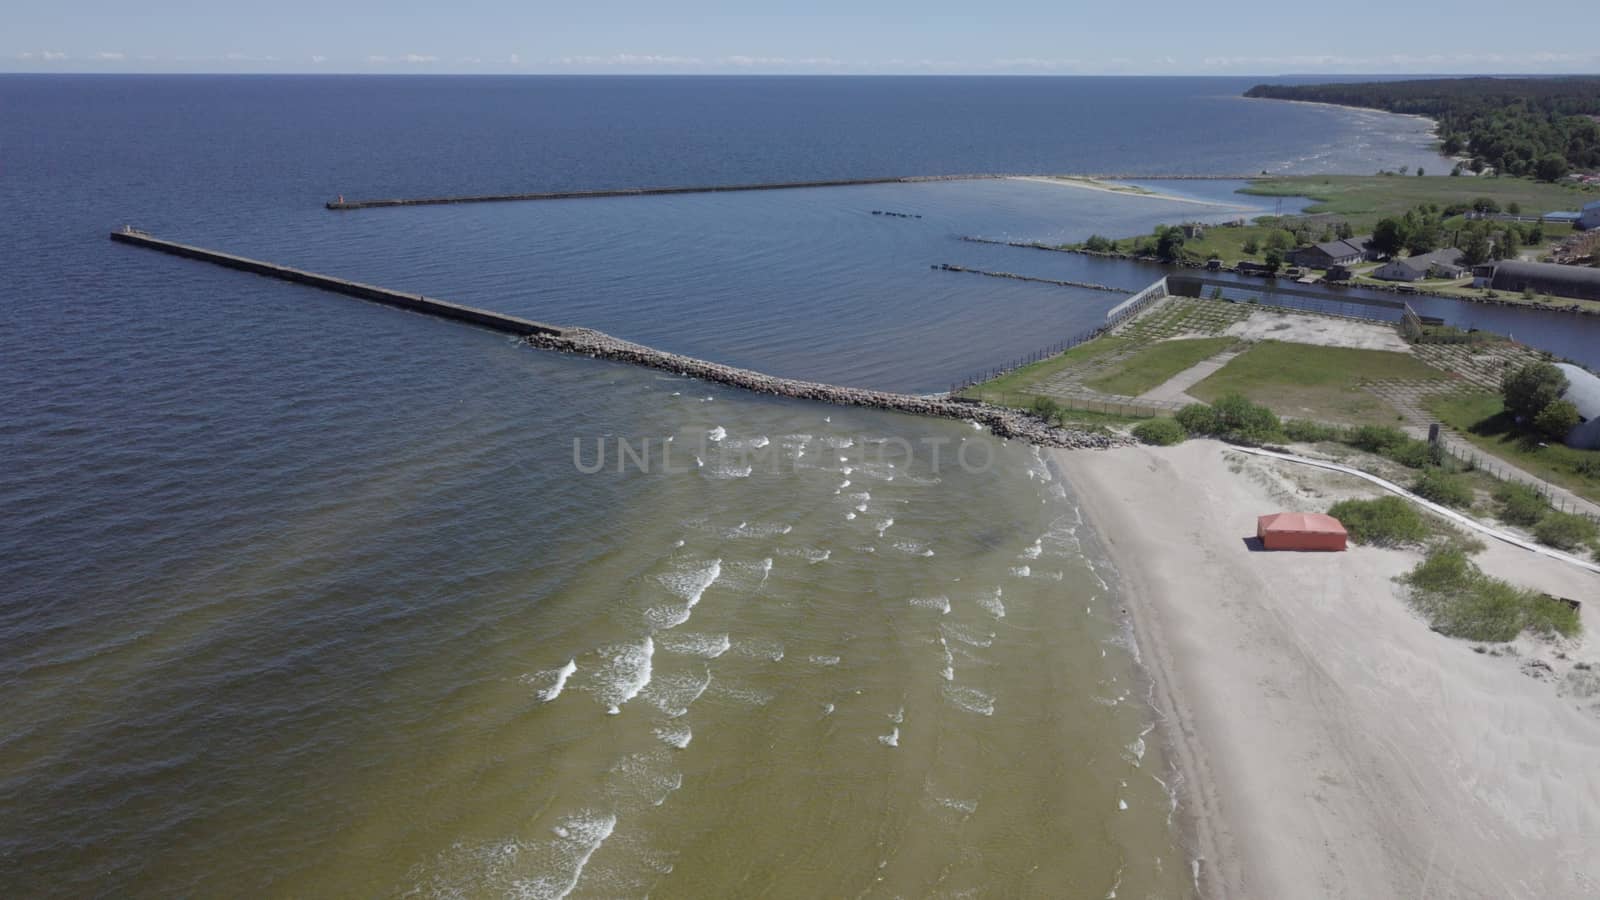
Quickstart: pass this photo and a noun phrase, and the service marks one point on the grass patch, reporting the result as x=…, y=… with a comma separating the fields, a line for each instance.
x=1364, y=199
x=1155, y=364
x=1460, y=601
x=1482, y=419
x=1027, y=378
x=1383, y=522
x=1315, y=382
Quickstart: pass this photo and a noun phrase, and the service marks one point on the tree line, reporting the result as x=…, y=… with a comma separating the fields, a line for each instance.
x=1537, y=127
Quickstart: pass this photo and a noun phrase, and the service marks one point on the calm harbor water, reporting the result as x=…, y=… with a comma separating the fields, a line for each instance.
x=309, y=597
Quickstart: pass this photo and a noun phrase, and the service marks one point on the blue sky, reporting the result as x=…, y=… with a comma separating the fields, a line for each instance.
x=1152, y=37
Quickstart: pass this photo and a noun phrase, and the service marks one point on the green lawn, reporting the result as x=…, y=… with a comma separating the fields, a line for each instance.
x=1481, y=419
x=1157, y=363
x=1320, y=383
x=1027, y=378
x=1364, y=199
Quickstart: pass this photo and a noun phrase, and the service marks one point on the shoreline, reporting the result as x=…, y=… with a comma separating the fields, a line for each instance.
x=1093, y=184
x=1329, y=743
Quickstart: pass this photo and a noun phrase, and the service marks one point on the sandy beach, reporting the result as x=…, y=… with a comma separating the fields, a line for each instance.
x=1091, y=184
x=1331, y=745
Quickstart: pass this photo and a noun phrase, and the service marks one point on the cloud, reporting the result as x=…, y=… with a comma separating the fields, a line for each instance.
x=471, y=60
x=111, y=57
x=319, y=59
x=807, y=62
x=630, y=59
x=515, y=59
x=1035, y=64
x=375, y=60
x=418, y=59
x=1399, y=61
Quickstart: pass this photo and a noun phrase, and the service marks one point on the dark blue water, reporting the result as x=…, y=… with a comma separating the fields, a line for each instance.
x=266, y=550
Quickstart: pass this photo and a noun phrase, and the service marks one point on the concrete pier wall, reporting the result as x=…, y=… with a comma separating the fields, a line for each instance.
x=343, y=205
x=415, y=302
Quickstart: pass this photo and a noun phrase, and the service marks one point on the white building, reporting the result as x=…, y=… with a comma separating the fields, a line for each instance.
x=1583, y=389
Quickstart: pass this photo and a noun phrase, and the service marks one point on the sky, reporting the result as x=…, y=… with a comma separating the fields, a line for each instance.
x=1022, y=37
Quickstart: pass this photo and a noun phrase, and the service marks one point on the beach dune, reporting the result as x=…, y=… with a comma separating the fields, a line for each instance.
x=1331, y=744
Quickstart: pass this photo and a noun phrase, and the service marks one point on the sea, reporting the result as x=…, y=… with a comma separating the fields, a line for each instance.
x=302, y=596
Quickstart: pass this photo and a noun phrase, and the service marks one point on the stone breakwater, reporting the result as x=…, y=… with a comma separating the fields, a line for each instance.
x=1003, y=421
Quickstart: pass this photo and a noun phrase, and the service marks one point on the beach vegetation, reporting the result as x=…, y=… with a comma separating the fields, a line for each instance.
x=1436, y=484
x=1308, y=432
x=1385, y=521
x=1566, y=531
x=1161, y=432
x=1460, y=601
x=1519, y=504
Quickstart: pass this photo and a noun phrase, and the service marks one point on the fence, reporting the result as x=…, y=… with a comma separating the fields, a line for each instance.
x=1114, y=317
x=1498, y=469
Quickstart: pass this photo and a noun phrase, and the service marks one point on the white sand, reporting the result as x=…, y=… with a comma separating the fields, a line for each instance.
x=1332, y=745
x=1090, y=184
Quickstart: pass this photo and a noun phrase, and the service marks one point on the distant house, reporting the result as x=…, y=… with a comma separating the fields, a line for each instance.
x=1561, y=217
x=1590, y=217
x=1339, y=272
x=1583, y=390
x=1438, y=264
x=1345, y=252
x=1581, y=282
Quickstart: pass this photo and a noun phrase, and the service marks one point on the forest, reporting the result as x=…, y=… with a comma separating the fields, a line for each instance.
x=1537, y=127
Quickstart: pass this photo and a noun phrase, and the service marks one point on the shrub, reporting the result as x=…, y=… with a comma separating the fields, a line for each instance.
x=1377, y=438
x=1046, y=408
x=1442, y=487
x=1237, y=419
x=1415, y=454
x=1520, y=504
x=1197, y=418
x=1384, y=522
x=1565, y=531
x=1160, y=432
x=1460, y=601
x=1557, y=418
x=1310, y=432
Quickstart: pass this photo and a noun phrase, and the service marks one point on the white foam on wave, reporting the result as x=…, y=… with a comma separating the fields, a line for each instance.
x=766, y=569
x=824, y=660
x=690, y=585
x=914, y=548
x=885, y=525
x=674, y=692
x=849, y=516
x=561, y=675
x=1021, y=571
x=577, y=837
x=674, y=734
x=966, y=635
x=759, y=648
x=948, y=673
x=940, y=603
x=993, y=605
x=704, y=646
x=627, y=672
x=1033, y=550
x=836, y=442
x=717, y=433
x=970, y=699
x=892, y=739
